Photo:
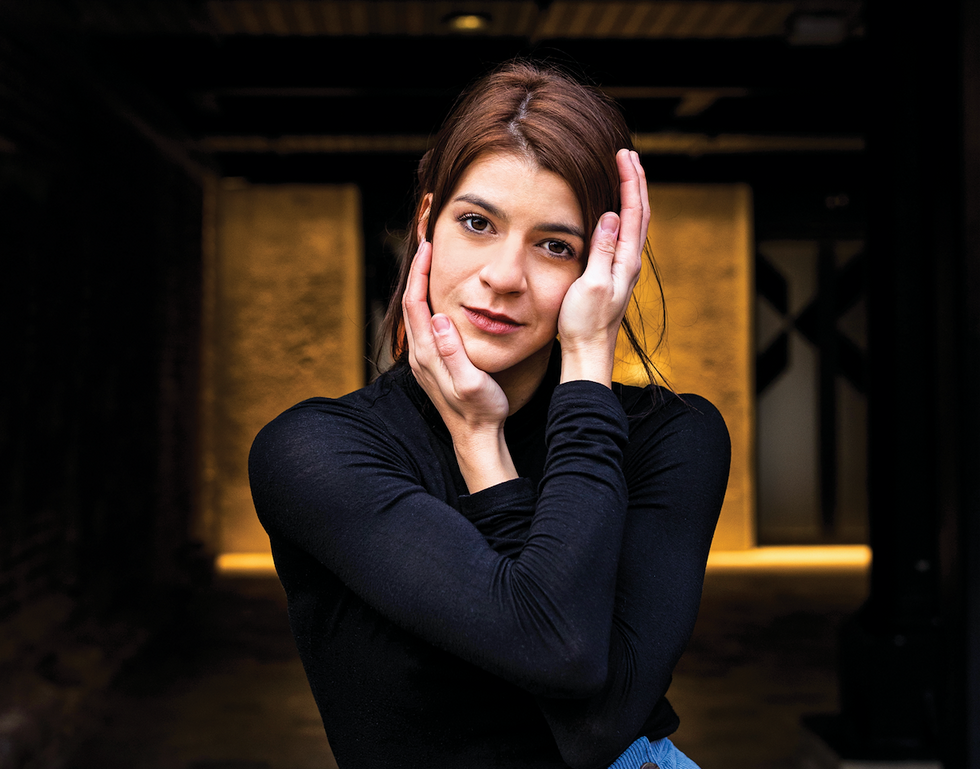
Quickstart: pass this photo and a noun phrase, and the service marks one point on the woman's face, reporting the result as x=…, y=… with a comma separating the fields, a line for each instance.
x=506, y=246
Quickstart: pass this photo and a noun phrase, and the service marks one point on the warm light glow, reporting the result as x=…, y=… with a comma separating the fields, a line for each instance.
x=285, y=323
x=701, y=235
x=468, y=22
x=816, y=557
x=245, y=563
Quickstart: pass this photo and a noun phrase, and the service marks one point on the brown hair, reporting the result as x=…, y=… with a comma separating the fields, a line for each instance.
x=538, y=111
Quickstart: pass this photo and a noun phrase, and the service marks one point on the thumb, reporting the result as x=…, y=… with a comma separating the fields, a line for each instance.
x=448, y=341
x=467, y=379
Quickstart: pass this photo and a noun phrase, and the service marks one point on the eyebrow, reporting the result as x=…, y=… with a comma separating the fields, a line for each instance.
x=490, y=208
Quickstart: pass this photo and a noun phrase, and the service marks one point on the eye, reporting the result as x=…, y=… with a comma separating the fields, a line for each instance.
x=474, y=222
x=559, y=248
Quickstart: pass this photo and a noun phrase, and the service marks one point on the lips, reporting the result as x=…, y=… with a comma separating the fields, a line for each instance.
x=491, y=322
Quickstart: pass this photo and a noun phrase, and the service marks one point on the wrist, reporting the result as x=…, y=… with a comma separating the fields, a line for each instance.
x=484, y=459
x=593, y=364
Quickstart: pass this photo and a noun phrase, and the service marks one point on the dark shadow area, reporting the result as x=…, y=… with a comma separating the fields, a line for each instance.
x=115, y=644
x=223, y=688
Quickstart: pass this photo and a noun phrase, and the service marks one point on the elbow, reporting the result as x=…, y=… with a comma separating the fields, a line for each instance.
x=584, y=756
x=591, y=673
x=575, y=674
x=592, y=745
x=594, y=742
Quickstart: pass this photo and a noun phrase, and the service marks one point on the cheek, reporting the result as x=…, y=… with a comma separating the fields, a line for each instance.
x=557, y=295
x=441, y=280
x=454, y=261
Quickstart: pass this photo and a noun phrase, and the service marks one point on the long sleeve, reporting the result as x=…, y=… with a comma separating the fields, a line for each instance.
x=677, y=469
x=335, y=480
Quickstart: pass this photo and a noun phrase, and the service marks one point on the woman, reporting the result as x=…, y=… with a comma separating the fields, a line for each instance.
x=493, y=555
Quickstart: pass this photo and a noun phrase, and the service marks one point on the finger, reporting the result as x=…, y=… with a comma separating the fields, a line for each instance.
x=417, y=286
x=644, y=195
x=602, y=250
x=415, y=301
x=632, y=233
x=411, y=289
x=631, y=202
x=645, y=204
x=466, y=378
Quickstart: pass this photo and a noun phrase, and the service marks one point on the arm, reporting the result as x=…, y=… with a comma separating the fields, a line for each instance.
x=339, y=488
x=333, y=481
x=676, y=468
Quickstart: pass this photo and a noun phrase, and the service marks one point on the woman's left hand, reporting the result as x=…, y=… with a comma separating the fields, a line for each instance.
x=595, y=304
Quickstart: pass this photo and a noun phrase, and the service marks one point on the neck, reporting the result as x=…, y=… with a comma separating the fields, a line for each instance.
x=520, y=382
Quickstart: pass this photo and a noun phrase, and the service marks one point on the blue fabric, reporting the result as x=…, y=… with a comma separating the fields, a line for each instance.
x=661, y=752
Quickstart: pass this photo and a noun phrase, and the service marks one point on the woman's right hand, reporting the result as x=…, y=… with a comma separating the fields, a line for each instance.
x=470, y=402
x=595, y=304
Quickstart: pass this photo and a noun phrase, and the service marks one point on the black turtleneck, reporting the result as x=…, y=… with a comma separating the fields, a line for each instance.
x=534, y=624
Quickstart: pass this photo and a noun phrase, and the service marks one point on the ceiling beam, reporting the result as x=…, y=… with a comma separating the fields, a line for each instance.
x=665, y=143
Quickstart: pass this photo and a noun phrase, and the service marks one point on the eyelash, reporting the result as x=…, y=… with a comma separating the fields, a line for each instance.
x=467, y=219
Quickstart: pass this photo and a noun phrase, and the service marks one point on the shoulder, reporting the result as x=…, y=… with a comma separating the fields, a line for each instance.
x=660, y=404
x=319, y=411
x=683, y=421
x=370, y=417
x=323, y=450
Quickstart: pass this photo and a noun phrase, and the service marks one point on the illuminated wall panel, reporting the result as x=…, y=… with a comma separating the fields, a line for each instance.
x=285, y=322
x=702, y=240
x=789, y=420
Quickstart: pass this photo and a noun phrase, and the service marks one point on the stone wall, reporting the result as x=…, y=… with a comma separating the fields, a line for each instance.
x=100, y=232
x=285, y=322
x=701, y=236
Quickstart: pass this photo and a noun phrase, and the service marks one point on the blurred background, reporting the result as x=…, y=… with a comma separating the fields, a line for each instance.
x=200, y=213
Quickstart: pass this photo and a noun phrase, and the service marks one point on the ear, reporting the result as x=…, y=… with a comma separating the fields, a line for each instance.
x=423, y=221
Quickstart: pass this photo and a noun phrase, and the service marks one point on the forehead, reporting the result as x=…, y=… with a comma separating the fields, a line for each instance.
x=517, y=184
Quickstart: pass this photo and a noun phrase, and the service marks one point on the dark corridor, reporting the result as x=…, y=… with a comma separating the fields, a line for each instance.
x=224, y=689
x=848, y=119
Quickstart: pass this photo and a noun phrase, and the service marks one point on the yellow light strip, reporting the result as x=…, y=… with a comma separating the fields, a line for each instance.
x=245, y=563
x=819, y=557
x=816, y=557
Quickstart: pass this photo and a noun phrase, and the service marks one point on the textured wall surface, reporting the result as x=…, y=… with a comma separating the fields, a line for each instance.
x=100, y=240
x=101, y=246
x=702, y=241
x=286, y=322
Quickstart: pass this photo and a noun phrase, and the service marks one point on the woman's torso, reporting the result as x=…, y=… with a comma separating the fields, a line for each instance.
x=384, y=693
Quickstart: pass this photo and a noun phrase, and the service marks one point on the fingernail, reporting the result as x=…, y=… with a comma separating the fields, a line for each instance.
x=609, y=223
x=440, y=324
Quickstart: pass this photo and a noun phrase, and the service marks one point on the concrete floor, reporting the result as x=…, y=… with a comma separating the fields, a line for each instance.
x=763, y=655
x=225, y=690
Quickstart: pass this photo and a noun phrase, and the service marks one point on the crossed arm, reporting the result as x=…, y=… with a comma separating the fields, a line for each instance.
x=595, y=602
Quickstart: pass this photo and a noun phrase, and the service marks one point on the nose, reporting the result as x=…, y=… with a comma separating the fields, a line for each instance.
x=504, y=270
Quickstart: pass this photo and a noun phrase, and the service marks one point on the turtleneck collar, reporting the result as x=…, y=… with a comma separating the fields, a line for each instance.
x=531, y=415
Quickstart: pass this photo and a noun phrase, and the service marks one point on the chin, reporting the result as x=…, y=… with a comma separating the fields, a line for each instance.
x=490, y=363
x=494, y=359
